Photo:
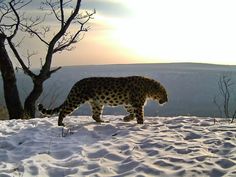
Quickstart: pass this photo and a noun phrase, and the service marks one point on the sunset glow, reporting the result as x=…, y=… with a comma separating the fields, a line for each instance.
x=178, y=31
x=157, y=31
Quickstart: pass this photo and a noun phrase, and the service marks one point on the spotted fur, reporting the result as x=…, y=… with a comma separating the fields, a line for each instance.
x=131, y=92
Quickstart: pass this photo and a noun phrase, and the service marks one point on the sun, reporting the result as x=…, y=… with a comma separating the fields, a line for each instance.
x=175, y=31
x=136, y=38
x=139, y=33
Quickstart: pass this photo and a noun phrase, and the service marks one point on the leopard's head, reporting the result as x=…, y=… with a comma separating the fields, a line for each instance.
x=160, y=95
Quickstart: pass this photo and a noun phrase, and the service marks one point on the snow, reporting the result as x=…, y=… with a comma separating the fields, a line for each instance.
x=162, y=146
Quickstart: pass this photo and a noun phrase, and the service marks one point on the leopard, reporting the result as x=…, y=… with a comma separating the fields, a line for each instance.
x=131, y=92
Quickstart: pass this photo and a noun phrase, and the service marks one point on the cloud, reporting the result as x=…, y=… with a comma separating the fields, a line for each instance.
x=108, y=8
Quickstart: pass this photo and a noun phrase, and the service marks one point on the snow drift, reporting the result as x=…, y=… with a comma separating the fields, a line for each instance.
x=162, y=146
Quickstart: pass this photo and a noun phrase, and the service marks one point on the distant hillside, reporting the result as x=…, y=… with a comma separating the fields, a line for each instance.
x=191, y=87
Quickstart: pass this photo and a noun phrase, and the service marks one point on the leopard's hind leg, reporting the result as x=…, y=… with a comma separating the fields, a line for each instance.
x=96, y=111
x=130, y=110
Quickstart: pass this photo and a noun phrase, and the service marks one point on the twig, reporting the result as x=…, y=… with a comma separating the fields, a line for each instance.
x=66, y=132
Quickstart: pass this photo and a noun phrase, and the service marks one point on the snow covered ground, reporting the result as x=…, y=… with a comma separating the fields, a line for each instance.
x=162, y=146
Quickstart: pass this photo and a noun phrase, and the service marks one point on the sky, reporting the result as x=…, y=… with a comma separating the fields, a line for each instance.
x=155, y=31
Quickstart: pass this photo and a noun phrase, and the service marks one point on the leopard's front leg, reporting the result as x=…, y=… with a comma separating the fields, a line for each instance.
x=138, y=111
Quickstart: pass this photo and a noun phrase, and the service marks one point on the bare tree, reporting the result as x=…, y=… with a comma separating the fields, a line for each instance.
x=13, y=21
x=11, y=94
x=223, y=99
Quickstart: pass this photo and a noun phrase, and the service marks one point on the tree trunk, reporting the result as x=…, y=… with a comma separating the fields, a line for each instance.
x=30, y=101
x=11, y=94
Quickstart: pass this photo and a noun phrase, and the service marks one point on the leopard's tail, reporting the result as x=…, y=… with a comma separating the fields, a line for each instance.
x=48, y=111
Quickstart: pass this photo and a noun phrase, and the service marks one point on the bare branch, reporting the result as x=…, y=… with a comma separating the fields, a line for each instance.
x=4, y=10
x=19, y=43
x=46, y=29
x=64, y=44
x=22, y=2
x=57, y=37
x=24, y=67
x=54, y=70
x=217, y=105
x=15, y=5
x=225, y=83
x=9, y=11
x=33, y=32
x=29, y=56
x=17, y=19
x=29, y=25
x=62, y=13
x=53, y=7
x=57, y=8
